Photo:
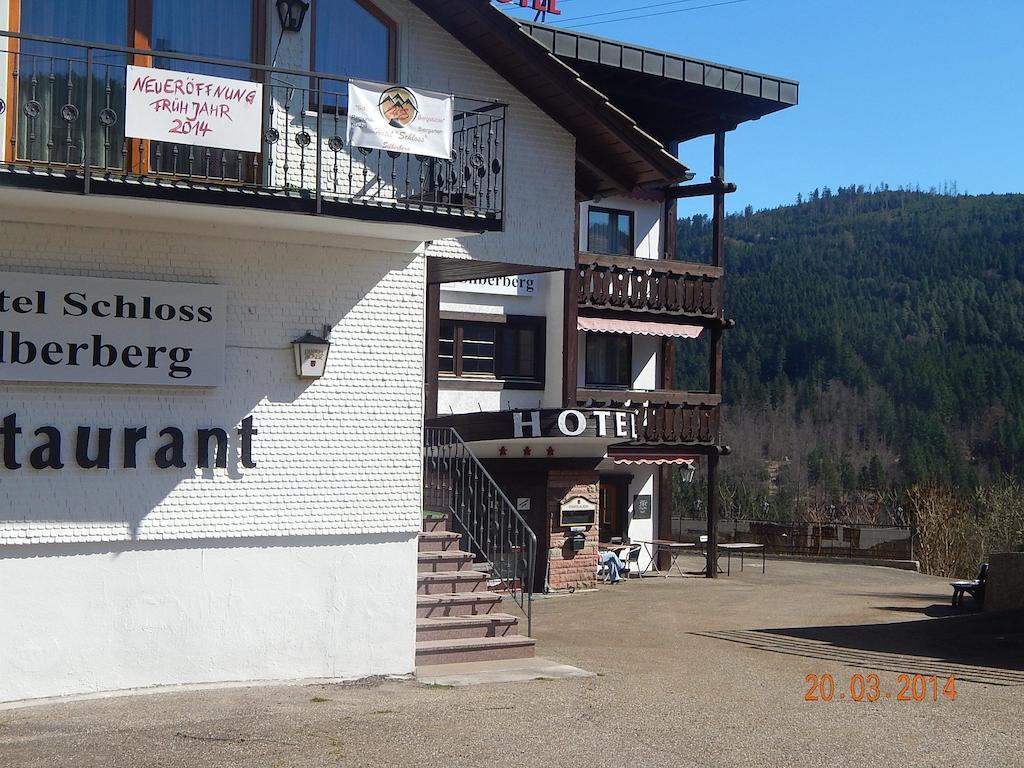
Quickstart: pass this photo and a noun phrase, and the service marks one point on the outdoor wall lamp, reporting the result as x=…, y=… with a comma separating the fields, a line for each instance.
x=292, y=13
x=311, y=355
x=689, y=471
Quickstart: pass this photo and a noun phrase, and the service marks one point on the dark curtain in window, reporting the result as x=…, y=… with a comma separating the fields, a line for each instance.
x=219, y=29
x=52, y=82
x=350, y=41
x=608, y=360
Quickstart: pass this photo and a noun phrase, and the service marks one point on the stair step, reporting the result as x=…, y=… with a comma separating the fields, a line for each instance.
x=474, y=649
x=448, y=582
x=457, y=604
x=465, y=627
x=435, y=521
x=437, y=562
x=439, y=541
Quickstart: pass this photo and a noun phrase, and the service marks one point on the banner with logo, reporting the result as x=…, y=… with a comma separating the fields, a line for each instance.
x=400, y=119
x=180, y=107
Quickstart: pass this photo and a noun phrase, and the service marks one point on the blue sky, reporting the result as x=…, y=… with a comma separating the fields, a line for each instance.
x=896, y=91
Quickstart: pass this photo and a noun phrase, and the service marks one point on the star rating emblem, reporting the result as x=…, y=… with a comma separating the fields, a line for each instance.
x=503, y=451
x=551, y=450
x=527, y=451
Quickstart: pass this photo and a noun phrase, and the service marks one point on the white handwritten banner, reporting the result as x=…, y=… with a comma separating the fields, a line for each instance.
x=400, y=119
x=183, y=108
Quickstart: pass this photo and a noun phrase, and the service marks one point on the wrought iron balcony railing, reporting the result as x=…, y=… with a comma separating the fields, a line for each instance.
x=625, y=283
x=65, y=123
x=664, y=417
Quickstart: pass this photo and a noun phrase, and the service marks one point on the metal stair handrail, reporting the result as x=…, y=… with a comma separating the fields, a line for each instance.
x=455, y=482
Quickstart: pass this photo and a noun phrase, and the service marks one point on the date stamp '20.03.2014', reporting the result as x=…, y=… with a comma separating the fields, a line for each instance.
x=871, y=688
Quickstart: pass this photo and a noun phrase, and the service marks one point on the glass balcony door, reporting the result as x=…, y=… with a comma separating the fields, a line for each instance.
x=222, y=29
x=50, y=92
x=50, y=83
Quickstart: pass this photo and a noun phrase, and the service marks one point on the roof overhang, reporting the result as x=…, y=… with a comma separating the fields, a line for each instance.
x=673, y=97
x=614, y=154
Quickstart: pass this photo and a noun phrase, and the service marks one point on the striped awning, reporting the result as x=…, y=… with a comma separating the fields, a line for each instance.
x=638, y=327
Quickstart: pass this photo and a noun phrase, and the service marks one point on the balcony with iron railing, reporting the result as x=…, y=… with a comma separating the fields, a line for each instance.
x=62, y=120
x=669, y=289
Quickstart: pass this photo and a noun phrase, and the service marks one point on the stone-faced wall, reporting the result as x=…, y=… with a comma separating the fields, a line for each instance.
x=568, y=568
x=1004, y=589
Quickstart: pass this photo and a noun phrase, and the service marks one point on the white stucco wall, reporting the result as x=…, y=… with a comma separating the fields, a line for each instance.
x=647, y=223
x=646, y=351
x=451, y=400
x=204, y=575
x=643, y=483
x=94, y=618
x=323, y=428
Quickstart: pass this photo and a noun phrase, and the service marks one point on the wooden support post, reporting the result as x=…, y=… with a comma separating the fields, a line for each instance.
x=711, y=571
x=570, y=314
x=570, y=339
x=715, y=367
x=718, y=221
x=670, y=249
x=432, y=348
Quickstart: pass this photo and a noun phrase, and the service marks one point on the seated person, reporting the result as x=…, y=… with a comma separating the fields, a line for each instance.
x=611, y=561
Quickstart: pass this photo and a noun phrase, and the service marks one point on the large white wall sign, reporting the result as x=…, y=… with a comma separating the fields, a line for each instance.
x=185, y=108
x=65, y=328
x=400, y=119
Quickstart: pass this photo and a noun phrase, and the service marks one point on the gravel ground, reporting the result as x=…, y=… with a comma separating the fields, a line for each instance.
x=682, y=681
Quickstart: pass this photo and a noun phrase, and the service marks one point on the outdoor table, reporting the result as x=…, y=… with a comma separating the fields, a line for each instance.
x=675, y=549
x=740, y=547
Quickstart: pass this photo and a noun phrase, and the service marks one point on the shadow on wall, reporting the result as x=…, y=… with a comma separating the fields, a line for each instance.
x=240, y=478
x=261, y=542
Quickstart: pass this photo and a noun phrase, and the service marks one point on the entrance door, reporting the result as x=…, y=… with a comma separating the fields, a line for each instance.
x=613, y=508
x=526, y=488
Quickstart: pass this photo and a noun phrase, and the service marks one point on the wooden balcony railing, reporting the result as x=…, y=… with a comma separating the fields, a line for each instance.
x=649, y=285
x=664, y=417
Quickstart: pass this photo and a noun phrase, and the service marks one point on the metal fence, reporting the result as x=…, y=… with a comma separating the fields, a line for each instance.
x=66, y=115
x=808, y=539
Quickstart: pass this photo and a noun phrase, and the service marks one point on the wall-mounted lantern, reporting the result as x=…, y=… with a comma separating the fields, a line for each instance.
x=688, y=472
x=311, y=356
x=292, y=13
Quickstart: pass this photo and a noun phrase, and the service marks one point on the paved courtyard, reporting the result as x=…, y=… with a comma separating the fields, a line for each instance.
x=690, y=672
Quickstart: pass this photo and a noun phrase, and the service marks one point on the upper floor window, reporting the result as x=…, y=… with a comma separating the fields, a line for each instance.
x=512, y=351
x=609, y=360
x=353, y=38
x=609, y=231
x=183, y=26
x=52, y=75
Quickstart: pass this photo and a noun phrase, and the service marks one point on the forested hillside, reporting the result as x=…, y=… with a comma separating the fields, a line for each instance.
x=879, y=343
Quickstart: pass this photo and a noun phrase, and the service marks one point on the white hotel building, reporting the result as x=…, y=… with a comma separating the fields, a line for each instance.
x=186, y=495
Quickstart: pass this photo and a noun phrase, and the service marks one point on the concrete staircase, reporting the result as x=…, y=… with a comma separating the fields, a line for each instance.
x=458, y=618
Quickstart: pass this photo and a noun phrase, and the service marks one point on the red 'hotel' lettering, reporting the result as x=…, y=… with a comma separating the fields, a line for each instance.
x=547, y=6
